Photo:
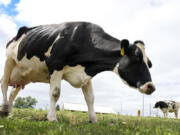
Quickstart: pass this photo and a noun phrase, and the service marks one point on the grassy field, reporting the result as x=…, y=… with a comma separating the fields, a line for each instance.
x=33, y=122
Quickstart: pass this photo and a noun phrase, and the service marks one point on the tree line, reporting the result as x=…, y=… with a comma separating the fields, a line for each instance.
x=27, y=102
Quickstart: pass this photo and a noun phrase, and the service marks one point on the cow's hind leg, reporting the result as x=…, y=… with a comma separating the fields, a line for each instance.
x=12, y=96
x=9, y=65
x=89, y=97
x=55, y=83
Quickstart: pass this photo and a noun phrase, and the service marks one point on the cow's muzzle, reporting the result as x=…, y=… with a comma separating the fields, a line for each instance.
x=147, y=88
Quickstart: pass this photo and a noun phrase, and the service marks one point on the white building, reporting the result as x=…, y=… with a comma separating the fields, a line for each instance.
x=83, y=108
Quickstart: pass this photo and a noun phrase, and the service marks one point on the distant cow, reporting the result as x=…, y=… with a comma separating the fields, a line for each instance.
x=168, y=106
x=75, y=52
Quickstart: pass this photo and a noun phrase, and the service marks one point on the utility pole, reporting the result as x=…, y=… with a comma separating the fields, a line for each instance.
x=143, y=106
x=150, y=109
x=121, y=108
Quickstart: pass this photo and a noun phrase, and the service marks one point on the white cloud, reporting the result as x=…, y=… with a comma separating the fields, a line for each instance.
x=59, y=11
x=105, y=12
x=5, y=2
x=7, y=29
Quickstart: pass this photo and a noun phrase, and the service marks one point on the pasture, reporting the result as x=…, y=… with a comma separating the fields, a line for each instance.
x=33, y=122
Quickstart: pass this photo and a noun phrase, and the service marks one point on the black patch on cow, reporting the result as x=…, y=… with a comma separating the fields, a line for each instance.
x=21, y=31
x=75, y=46
x=161, y=105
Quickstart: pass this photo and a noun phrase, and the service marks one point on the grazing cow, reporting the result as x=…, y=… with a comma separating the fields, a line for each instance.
x=168, y=106
x=75, y=52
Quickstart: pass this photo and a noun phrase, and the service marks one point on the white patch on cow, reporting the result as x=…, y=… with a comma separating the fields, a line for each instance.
x=32, y=70
x=76, y=76
x=50, y=48
x=171, y=104
x=142, y=48
x=26, y=70
x=12, y=49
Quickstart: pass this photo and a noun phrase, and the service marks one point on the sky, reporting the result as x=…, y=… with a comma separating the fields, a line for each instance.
x=156, y=22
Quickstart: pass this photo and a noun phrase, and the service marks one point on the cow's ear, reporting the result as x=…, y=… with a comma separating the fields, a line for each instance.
x=139, y=41
x=124, y=46
x=149, y=62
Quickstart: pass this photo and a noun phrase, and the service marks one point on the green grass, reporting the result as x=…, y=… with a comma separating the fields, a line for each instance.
x=33, y=122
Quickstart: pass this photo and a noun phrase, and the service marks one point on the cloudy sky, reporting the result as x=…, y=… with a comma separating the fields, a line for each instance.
x=156, y=22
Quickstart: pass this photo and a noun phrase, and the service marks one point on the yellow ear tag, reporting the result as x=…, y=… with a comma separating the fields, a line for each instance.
x=122, y=51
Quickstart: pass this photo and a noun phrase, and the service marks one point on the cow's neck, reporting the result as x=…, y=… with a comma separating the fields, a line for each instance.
x=106, y=61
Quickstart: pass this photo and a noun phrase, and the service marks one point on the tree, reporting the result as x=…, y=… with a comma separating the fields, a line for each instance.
x=57, y=108
x=25, y=102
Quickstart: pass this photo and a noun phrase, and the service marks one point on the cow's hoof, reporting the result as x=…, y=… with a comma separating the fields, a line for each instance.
x=4, y=111
x=3, y=114
x=53, y=119
x=93, y=121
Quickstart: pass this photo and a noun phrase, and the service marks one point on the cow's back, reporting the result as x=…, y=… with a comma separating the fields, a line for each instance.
x=38, y=40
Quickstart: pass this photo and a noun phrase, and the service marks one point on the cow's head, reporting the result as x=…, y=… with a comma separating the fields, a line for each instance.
x=133, y=66
x=157, y=105
x=160, y=104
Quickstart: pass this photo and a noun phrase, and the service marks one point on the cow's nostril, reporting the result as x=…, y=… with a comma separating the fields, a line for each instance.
x=151, y=87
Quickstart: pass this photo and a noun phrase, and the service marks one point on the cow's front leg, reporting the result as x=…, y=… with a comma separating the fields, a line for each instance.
x=9, y=65
x=176, y=113
x=55, y=82
x=89, y=97
x=165, y=114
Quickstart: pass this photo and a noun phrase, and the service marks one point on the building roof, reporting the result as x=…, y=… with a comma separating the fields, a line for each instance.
x=83, y=108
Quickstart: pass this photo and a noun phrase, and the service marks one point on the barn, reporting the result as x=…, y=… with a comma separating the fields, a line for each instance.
x=83, y=108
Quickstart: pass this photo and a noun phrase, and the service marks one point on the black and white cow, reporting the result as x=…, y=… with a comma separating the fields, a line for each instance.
x=168, y=106
x=75, y=52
